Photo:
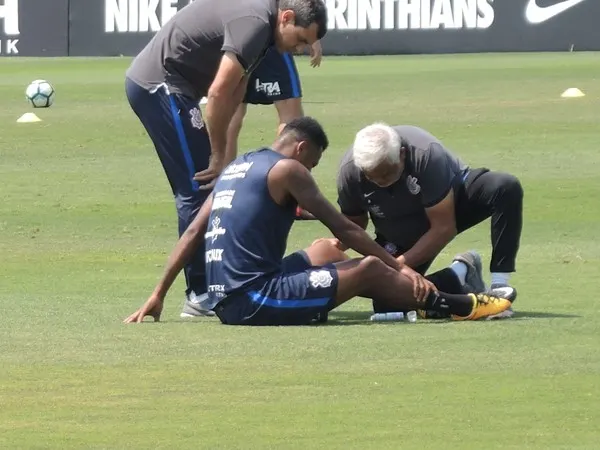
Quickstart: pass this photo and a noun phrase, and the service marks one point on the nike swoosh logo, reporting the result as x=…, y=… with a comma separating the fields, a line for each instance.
x=536, y=14
x=504, y=292
x=369, y=194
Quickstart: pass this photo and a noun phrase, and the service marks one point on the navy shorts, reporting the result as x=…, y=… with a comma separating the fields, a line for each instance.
x=295, y=296
x=275, y=78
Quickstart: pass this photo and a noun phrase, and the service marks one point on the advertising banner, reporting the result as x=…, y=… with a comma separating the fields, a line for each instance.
x=34, y=27
x=356, y=27
x=116, y=27
x=457, y=26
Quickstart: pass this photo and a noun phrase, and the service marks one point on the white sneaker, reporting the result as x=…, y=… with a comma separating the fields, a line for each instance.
x=506, y=314
x=192, y=307
x=507, y=292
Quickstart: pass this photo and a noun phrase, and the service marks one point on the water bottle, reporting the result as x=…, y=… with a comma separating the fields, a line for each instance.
x=411, y=316
x=388, y=317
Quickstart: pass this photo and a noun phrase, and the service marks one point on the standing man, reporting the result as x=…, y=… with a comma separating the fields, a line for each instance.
x=208, y=48
x=245, y=224
x=274, y=82
x=420, y=196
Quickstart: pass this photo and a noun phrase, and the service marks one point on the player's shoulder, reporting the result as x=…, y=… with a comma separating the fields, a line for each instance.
x=288, y=175
x=347, y=157
x=263, y=9
x=347, y=168
x=287, y=168
x=417, y=136
x=289, y=163
x=222, y=12
x=421, y=145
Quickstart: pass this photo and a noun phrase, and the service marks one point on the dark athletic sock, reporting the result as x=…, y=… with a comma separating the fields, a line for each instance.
x=446, y=280
x=460, y=305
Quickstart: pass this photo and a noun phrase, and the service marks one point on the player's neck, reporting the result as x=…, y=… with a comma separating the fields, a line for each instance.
x=283, y=149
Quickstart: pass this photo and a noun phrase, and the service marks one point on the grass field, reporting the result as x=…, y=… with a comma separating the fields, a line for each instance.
x=87, y=219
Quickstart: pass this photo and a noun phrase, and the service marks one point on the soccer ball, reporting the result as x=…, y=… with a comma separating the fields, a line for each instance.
x=40, y=94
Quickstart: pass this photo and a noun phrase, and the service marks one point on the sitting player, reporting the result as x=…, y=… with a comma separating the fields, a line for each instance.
x=245, y=224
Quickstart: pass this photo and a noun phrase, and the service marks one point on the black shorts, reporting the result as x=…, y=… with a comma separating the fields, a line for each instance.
x=276, y=78
x=294, y=296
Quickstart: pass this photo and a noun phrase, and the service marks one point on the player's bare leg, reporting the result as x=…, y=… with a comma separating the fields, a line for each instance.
x=370, y=277
x=288, y=110
x=325, y=251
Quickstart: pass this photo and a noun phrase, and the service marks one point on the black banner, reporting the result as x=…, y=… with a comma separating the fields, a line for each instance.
x=360, y=27
x=34, y=27
x=117, y=27
x=356, y=27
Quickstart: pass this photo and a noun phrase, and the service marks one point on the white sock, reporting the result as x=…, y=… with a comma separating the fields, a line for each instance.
x=460, y=269
x=500, y=278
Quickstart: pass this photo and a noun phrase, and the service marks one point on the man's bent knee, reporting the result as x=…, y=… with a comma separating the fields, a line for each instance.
x=368, y=273
x=511, y=186
x=332, y=242
x=325, y=251
x=371, y=265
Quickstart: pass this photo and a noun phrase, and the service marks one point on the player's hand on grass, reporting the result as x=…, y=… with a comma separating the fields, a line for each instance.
x=211, y=173
x=422, y=287
x=153, y=307
x=316, y=54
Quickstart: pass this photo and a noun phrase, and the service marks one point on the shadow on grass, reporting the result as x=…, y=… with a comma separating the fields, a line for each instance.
x=362, y=317
x=357, y=318
x=349, y=318
x=542, y=315
x=343, y=318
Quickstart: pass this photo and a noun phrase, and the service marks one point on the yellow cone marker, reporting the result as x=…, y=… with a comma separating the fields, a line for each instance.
x=28, y=118
x=572, y=93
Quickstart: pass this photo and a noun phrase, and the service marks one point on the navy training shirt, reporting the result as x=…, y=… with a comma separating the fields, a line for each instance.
x=247, y=231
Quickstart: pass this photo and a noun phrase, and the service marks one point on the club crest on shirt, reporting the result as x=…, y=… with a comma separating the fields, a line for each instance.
x=391, y=248
x=412, y=183
x=196, y=118
x=320, y=278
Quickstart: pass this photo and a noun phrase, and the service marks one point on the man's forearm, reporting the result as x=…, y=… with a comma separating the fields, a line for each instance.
x=357, y=239
x=361, y=221
x=233, y=132
x=219, y=111
x=181, y=254
x=428, y=247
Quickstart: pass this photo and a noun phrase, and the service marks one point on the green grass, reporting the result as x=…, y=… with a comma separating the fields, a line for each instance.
x=86, y=222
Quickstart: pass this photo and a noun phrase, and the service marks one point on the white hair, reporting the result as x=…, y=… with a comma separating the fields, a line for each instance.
x=376, y=144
